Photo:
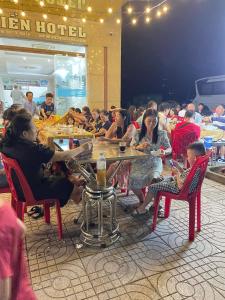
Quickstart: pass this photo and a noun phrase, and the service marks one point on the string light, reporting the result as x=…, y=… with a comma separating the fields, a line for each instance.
x=129, y=10
x=64, y=19
x=134, y=21
x=147, y=20
x=23, y=14
x=42, y=3
x=147, y=10
x=45, y=16
x=83, y=20
x=165, y=9
x=1, y=11
x=110, y=10
x=66, y=6
x=101, y=21
x=89, y=9
x=118, y=21
x=158, y=14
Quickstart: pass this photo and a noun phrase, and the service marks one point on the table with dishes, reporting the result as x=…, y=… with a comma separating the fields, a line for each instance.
x=100, y=226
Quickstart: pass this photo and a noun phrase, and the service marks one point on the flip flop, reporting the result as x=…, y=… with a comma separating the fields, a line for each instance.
x=136, y=213
x=33, y=210
x=160, y=211
x=38, y=214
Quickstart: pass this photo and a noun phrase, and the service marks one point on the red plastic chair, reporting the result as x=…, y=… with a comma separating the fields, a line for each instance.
x=19, y=205
x=184, y=195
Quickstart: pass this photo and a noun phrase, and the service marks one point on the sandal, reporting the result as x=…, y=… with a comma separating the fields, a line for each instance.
x=136, y=213
x=33, y=210
x=38, y=214
x=160, y=211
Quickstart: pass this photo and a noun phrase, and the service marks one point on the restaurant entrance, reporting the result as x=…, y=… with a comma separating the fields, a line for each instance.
x=43, y=67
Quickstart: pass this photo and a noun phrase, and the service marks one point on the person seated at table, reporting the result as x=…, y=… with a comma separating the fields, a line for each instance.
x=70, y=121
x=20, y=144
x=76, y=115
x=47, y=108
x=112, y=113
x=204, y=110
x=197, y=117
x=173, y=184
x=87, y=114
x=151, y=105
x=164, y=109
x=150, y=140
x=95, y=124
x=219, y=111
x=104, y=116
x=121, y=130
x=188, y=125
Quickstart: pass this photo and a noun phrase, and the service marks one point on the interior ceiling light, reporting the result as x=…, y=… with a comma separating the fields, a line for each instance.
x=89, y=9
x=147, y=10
x=1, y=11
x=42, y=3
x=118, y=21
x=64, y=19
x=147, y=20
x=101, y=21
x=158, y=14
x=110, y=10
x=165, y=9
x=23, y=14
x=45, y=16
x=66, y=6
x=134, y=21
x=83, y=20
x=15, y=1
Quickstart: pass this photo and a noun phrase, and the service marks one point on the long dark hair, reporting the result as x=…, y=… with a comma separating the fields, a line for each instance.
x=127, y=121
x=152, y=114
x=21, y=123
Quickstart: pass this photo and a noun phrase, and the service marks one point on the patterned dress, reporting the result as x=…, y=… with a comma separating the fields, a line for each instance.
x=144, y=170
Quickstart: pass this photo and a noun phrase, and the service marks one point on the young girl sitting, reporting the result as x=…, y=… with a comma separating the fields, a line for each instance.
x=174, y=184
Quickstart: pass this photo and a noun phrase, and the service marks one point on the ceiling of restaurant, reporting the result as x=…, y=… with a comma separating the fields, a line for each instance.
x=99, y=7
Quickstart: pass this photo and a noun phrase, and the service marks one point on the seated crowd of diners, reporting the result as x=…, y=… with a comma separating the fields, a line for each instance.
x=149, y=129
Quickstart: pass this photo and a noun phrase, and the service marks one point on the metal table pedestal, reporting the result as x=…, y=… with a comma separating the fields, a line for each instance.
x=99, y=226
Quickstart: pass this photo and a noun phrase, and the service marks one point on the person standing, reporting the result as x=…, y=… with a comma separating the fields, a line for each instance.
x=47, y=108
x=17, y=96
x=30, y=105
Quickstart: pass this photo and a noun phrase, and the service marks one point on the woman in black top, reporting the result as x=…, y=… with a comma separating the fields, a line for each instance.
x=20, y=144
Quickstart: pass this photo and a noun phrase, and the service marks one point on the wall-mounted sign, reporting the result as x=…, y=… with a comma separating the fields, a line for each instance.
x=35, y=27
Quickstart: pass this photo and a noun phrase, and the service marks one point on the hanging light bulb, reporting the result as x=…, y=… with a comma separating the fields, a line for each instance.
x=64, y=19
x=101, y=21
x=158, y=14
x=134, y=21
x=23, y=14
x=129, y=10
x=45, y=16
x=89, y=9
x=1, y=11
x=66, y=6
x=118, y=21
x=165, y=9
x=83, y=20
x=42, y=3
x=147, y=10
x=110, y=10
x=147, y=20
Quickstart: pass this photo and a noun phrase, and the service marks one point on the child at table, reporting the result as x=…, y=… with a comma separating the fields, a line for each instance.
x=174, y=184
x=14, y=283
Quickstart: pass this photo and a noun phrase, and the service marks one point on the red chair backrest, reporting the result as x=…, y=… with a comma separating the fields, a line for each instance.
x=11, y=165
x=181, y=141
x=201, y=165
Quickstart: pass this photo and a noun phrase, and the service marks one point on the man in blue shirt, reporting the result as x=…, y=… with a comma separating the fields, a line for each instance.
x=47, y=108
x=31, y=106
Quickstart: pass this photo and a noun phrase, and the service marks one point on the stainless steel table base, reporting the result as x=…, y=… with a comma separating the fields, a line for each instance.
x=99, y=226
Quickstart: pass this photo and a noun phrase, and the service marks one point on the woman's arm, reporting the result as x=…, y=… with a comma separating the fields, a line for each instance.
x=84, y=149
x=110, y=134
x=5, y=288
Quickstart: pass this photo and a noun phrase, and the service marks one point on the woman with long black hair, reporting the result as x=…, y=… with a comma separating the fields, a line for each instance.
x=20, y=144
x=150, y=140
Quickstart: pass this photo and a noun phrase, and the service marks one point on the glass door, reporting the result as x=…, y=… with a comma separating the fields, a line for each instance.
x=70, y=82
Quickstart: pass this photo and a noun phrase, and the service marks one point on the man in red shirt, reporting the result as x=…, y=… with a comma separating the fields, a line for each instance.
x=14, y=283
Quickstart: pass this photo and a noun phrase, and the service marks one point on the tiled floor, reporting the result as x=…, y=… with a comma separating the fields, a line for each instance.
x=141, y=265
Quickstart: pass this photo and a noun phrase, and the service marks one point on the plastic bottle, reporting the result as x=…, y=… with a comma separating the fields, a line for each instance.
x=101, y=170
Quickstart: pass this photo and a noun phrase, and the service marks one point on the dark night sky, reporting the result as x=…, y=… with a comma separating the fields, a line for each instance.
x=167, y=56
